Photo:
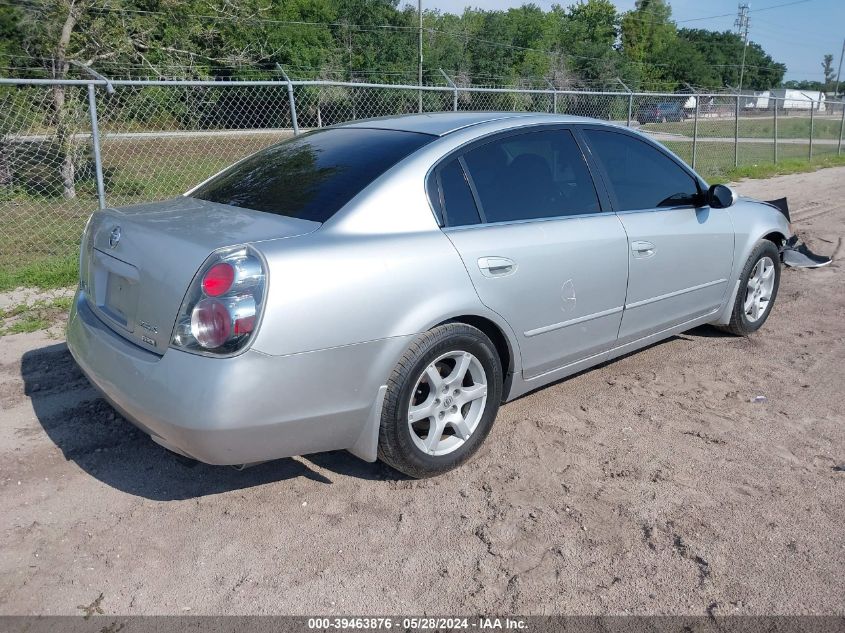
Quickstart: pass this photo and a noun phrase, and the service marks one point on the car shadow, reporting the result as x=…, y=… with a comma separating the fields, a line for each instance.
x=706, y=331
x=90, y=433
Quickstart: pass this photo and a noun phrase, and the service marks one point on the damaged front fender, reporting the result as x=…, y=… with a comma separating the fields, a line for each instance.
x=793, y=252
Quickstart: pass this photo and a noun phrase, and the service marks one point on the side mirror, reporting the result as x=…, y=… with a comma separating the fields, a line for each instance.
x=721, y=196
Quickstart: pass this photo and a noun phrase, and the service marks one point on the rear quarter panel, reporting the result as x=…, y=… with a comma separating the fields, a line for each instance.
x=330, y=290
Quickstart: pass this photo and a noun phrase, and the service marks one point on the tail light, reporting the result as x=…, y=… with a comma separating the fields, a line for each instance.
x=222, y=307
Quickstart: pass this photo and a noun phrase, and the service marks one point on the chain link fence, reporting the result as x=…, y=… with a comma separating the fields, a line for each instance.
x=68, y=147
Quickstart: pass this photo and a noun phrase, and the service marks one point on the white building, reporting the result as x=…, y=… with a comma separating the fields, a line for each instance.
x=790, y=99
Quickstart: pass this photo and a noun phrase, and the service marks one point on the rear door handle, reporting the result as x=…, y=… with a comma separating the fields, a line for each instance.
x=496, y=266
x=643, y=249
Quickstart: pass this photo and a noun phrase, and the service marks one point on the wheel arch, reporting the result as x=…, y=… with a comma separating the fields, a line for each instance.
x=495, y=333
x=776, y=237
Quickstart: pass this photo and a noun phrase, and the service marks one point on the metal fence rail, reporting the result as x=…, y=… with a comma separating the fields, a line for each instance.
x=69, y=146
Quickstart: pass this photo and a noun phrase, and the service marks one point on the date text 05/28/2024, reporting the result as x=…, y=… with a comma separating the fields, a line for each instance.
x=418, y=624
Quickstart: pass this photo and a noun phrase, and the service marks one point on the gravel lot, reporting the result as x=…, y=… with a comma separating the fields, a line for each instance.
x=653, y=484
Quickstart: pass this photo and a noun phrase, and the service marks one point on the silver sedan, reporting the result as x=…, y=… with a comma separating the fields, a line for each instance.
x=383, y=286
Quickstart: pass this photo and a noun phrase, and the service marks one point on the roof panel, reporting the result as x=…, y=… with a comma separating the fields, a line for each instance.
x=440, y=123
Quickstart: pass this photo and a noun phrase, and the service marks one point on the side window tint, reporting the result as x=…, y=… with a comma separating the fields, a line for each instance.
x=641, y=176
x=533, y=175
x=457, y=197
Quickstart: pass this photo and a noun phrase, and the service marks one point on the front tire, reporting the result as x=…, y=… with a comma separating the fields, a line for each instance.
x=441, y=401
x=758, y=288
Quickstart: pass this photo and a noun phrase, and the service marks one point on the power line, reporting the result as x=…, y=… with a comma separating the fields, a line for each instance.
x=778, y=6
x=630, y=15
x=484, y=42
x=117, y=68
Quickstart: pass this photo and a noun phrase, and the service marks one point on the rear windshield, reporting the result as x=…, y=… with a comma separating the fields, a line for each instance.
x=311, y=176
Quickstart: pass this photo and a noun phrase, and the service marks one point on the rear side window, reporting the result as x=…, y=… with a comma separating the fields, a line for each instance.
x=458, y=201
x=533, y=175
x=311, y=176
x=642, y=176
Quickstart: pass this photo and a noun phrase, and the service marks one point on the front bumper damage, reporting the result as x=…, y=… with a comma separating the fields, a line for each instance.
x=794, y=252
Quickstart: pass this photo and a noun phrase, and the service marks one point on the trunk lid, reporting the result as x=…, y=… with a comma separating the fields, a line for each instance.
x=138, y=261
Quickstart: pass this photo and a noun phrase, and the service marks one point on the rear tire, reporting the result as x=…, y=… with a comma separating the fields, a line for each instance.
x=441, y=401
x=758, y=288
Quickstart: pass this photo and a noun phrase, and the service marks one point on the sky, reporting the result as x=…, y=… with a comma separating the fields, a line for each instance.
x=798, y=35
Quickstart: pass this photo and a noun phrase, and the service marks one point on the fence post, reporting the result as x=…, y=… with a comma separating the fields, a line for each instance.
x=775, y=132
x=294, y=123
x=95, y=130
x=630, y=100
x=695, y=132
x=697, y=98
x=841, y=126
x=454, y=89
x=812, y=122
x=554, y=96
x=95, y=141
x=736, y=133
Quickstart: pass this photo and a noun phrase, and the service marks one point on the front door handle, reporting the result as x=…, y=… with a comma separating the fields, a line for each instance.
x=643, y=249
x=496, y=266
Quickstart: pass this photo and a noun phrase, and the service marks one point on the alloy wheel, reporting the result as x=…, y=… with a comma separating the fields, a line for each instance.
x=447, y=403
x=758, y=291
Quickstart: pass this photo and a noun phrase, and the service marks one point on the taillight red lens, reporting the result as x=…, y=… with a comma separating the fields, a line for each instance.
x=244, y=325
x=218, y=280
x=211, y=323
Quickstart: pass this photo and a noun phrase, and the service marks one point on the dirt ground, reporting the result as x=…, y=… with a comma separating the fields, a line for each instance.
x=653, y=484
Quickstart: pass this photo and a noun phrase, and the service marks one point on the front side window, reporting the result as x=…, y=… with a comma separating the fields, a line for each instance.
x=311, y=176
x=642, y=177
x=534, y=175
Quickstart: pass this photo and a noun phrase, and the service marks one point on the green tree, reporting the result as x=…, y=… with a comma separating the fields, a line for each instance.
x=11, y=53
x=803, y=85
x=587, y=33
x=829, y=72
x=648, y=36
x=586, y=44
x=58, y=34
x=723, y=53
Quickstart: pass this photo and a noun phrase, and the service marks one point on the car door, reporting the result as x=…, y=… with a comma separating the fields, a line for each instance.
x=680, y=250
x=524, y=214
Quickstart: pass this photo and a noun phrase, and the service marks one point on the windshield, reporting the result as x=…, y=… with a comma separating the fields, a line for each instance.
x=311, y=176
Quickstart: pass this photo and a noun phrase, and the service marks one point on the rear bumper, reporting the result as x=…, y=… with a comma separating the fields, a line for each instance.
x=248, y=408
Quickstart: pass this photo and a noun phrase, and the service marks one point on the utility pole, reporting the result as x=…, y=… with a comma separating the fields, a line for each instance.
x=839, y=72
x=742, y=25
x=419, y=10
